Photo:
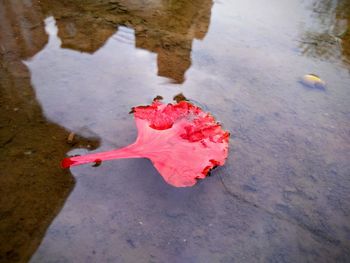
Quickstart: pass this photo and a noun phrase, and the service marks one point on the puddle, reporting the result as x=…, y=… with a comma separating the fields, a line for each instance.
x=79, y=67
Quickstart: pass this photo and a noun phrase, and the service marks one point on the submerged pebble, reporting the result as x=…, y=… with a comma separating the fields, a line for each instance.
x=313, y=81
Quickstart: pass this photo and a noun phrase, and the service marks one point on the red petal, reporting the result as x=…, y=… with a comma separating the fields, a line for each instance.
x=183, y=142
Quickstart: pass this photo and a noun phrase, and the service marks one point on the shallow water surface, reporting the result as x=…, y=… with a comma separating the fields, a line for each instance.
x=77, y=67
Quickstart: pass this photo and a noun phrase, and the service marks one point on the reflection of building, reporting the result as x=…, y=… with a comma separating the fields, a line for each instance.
x=165, y=27
x=331, y=39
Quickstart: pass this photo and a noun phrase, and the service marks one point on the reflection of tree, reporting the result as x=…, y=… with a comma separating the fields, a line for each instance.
x=343, y=14
x=166, y=27
x=330, y=40
x=321, y=45
x=33, y=188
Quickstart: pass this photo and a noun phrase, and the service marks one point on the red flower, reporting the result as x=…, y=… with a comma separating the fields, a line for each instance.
x=183, y=142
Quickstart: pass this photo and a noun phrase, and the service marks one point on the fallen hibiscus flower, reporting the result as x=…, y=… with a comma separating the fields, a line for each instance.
x=183, y=142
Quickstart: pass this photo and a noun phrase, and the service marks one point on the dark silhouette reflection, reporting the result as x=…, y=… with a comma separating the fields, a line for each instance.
x=331, y=40
x=33, y=188
x=32, y=185
x=167, y=27
x=171, y=35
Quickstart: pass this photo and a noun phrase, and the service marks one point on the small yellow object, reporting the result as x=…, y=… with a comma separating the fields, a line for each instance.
x=313, y=81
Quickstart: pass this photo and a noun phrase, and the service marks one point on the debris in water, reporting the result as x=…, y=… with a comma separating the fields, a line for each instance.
x=158, y=97
x=313, y=81
x=97, y=163
x=180, y=97
x=183, y=142
x=70, y=138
